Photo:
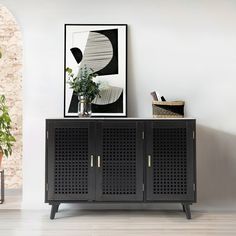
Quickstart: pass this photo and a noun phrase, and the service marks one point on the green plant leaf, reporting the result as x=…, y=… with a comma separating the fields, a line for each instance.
x=68, y=70
x=83, y=83
x=6, y=138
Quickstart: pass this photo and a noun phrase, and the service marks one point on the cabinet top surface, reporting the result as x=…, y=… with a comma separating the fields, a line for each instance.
x=120, y=118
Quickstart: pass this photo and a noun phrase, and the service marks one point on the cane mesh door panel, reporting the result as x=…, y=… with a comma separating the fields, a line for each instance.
x=119, y=161
x=120, y=164
x=169, y=161
x=171, y=169
x=70, y=164
x=71, y=161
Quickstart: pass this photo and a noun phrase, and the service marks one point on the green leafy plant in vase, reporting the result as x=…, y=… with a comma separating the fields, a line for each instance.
x=6, y=138
x=84, y=87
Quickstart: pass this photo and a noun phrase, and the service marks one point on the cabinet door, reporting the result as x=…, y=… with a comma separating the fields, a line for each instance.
x=70, y=175
x=170, y=160
x=119, y=175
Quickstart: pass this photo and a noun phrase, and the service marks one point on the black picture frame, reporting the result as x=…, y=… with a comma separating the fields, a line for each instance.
x=124, y=74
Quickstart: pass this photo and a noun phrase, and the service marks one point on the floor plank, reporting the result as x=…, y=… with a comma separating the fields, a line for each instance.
x=114, y=223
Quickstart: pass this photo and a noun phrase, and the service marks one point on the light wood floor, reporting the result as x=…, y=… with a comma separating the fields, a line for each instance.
x=114, y=223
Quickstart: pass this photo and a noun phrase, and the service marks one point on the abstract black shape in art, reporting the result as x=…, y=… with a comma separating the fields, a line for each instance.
x=77, y=54
x=73, y=108
x=116, y=107
x=112, y=67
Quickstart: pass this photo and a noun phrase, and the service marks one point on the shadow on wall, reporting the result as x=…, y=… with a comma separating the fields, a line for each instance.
x=131, y=83
x=216, y=169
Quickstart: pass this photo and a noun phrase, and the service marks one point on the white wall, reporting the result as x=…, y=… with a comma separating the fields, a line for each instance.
x=185, y=49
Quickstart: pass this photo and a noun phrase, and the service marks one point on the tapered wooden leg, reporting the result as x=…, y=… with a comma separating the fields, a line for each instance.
x=183, y=207
x=54, y=210
x=186, y=207
x=57, y=207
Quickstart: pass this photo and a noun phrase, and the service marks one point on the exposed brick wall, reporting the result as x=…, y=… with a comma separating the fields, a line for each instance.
x=11, y=87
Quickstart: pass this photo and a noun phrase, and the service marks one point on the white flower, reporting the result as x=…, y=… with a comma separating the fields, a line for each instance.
x=104, y=85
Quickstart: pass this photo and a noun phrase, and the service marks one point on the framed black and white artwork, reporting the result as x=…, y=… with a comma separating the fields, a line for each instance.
x=103, y=48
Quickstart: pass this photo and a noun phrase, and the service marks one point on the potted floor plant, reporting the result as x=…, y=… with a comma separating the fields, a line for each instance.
x=84, y=87
x=6, y=138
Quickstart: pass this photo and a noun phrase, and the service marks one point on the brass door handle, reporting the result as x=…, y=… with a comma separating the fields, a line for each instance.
x=91, y=161
x=99, y=161
x=149, y=161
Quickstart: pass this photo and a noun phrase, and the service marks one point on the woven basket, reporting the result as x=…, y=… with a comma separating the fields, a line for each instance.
x=168, y=109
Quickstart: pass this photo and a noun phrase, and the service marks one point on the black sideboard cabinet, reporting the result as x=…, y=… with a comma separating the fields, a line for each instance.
x=120, y=160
